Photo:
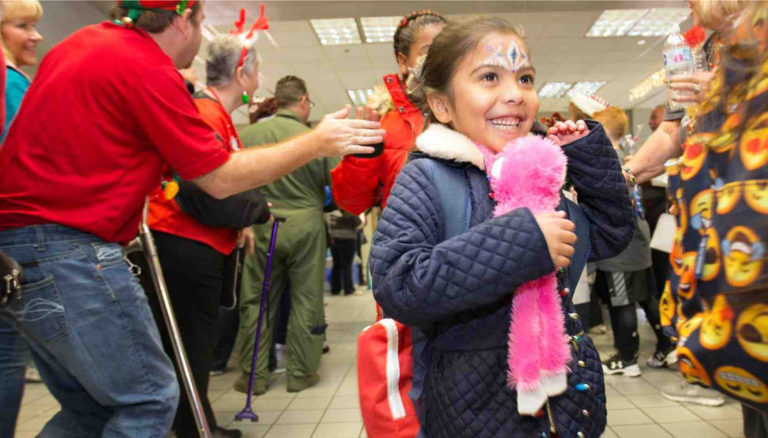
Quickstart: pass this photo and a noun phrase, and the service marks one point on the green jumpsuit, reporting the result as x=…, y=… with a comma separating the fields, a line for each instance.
x=299, y=260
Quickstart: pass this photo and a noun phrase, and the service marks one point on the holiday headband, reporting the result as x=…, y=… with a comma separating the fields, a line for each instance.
x=261, y=23
x=136, y=7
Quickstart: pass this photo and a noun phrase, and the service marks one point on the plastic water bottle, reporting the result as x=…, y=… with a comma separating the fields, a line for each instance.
x=678, y=61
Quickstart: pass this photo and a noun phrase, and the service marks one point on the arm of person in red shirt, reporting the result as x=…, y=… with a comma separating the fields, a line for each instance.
x=334, y=136
x=171, y=122
x=355, y=182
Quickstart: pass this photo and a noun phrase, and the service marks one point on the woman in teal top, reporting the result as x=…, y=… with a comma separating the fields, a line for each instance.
x=19, y=38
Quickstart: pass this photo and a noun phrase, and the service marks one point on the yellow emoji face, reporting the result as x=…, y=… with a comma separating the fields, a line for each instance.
x=741, y=383
x=711, y=266
x=687, y=326
x=726, y=138
x=753, y=147
x=756, y=195
x=687, y=286
x=701, y=210
x=716, y=325
x=691, y=367
x=727, y=197
x=752, y=331
x=743, y=255
x=666, y=306
x=694, y=156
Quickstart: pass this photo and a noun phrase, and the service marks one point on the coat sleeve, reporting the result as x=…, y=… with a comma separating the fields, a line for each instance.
x=420, y=280
x=595, y=172
x=355, y=182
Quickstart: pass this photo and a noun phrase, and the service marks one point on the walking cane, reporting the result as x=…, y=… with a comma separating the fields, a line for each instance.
x=247, y=412
x=150, y=253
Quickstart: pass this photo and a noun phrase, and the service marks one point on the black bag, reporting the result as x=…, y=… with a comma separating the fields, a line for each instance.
x=235, y=212
x=12, y=277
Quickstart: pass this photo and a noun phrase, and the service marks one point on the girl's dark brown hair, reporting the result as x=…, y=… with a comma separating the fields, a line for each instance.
x=449, y=47
x=406, y=30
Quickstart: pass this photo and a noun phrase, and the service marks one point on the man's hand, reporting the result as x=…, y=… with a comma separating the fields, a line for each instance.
x=691, y=88
x=558, y=232
x=562, y=133
x=339, y=136
x=246, y=240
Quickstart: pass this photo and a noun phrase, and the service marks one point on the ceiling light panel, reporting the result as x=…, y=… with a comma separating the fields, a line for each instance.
x=587, y=88
x=616, y=22
x=336, y=31
x=554, y=90
x=359, y=97
x=379, y=29
x=659, y=21
x=647, y=85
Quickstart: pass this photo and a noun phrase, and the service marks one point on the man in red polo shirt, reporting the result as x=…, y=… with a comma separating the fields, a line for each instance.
x=107, y=109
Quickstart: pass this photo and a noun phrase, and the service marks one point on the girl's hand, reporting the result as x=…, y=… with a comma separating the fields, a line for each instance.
x=367, y=113
x=563, y=133
x=558, y=232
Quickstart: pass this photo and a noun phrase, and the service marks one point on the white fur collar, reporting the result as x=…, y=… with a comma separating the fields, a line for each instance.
x=440, y=141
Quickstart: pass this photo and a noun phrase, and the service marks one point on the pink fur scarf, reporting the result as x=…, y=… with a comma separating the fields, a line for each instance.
x=529, y=173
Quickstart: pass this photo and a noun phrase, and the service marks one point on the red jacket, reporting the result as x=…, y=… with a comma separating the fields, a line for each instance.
x=361, y=183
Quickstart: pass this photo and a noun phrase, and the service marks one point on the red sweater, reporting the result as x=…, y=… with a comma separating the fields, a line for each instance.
x=361, y=183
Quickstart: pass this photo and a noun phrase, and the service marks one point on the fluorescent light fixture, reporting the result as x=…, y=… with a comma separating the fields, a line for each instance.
x=587, y=88
x=379, y=29
x=647, y=85
x=336, y=31
x=554, y=90
x=659, y=21
x=637, y=22
x=359, y=97
x=615, y=22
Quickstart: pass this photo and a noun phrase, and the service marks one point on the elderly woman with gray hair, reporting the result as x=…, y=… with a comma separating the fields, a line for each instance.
x=194, y=255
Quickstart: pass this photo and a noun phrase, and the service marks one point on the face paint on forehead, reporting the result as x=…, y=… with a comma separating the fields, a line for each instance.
x=512, y=58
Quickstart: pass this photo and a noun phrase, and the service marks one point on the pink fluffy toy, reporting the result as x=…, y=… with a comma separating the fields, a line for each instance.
x=529, y=172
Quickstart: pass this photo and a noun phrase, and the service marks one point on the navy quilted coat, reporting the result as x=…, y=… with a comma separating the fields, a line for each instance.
x=460, y=289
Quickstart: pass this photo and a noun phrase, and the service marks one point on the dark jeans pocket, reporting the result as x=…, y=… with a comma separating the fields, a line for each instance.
x=40, y=312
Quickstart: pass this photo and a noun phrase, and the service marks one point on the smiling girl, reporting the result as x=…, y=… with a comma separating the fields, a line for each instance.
x=477, y=88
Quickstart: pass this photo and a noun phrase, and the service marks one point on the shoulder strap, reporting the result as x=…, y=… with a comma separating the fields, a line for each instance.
x=453, y=188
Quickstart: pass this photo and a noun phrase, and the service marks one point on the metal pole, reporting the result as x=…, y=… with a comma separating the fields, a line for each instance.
x=150, y=253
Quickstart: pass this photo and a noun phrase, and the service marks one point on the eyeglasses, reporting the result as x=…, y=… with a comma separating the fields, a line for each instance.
x=311, y=102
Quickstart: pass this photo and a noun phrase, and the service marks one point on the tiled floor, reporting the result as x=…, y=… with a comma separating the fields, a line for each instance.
x=636, y=408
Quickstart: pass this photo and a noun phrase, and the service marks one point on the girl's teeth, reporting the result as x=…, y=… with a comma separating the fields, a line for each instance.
x=505, y=124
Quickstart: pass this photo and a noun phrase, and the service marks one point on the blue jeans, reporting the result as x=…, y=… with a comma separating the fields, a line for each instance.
x=91, y=334
x=14, y=356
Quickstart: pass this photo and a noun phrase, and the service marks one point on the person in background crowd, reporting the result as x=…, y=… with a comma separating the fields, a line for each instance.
x=627, y=279
x=360, y=183
x=19, y=37
x=654, y=205
x=343, y=229
x=229, y=319
x=666, y=142
x=299, y=258
x=194, y=255
x=656, y=117
x=68, y=204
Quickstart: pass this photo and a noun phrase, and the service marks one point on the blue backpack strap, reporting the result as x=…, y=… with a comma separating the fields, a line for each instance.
x=453, y=188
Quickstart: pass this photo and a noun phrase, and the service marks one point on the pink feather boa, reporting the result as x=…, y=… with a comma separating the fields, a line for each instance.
x=529, y=173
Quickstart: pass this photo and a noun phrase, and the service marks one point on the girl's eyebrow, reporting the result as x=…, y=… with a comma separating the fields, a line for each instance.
x=487, y=63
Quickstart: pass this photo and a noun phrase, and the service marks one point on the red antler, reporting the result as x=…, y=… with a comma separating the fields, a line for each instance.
x=261, y=23
x=239, y=24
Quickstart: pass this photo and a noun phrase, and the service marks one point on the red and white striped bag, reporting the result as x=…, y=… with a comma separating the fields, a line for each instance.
x=384, y=373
